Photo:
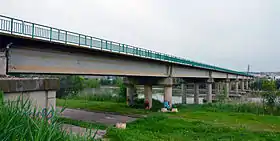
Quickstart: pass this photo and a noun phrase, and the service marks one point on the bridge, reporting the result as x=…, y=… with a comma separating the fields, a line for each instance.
x=32, y=48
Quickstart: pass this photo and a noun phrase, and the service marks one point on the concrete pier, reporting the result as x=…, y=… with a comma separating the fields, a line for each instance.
x=183, y=93
x=227, y=88
x=209, y=92
x=130, y=94
x=242, y=85
x=218, y=87
x=196, y=93
x=168, y=94
x=236, y=86
x=148, y=94
x=246, y=84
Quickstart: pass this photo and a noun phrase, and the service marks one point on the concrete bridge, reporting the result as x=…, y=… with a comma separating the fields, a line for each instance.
x=32, y=48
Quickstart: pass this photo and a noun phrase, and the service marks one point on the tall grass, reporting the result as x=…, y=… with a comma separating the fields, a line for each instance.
x=20, y=122
x=254, y=108
x=97, y=97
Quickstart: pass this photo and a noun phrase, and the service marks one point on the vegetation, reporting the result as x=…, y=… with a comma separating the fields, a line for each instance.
x=199, y=125
x=70, y=85
x=101, y=106
x=20, y=122
x=218, y=121
x=139, y=104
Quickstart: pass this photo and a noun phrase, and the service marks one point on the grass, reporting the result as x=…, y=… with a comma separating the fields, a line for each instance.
x=101, y=106
x=192, y=122
x=97, y=97
x=19, y=122
x=163, y=127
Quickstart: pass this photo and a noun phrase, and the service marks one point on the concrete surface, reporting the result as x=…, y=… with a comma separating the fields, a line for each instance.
x=83, y=131
x=104, y=118
x=39, y=99
x=14, y=84
x=41, y=92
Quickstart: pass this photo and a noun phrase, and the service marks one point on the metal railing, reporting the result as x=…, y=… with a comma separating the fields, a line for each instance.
x=24, y=28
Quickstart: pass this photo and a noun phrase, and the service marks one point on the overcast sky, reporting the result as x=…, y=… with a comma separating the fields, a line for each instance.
x=226, y=33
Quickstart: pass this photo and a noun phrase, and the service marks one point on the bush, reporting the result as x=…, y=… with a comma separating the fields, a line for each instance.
x=122, y=92
x=70, y=85
x=139, y=104
x=91, y=83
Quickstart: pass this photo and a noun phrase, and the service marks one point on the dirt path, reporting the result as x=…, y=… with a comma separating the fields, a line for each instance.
x=97, y=134
x=104, y=118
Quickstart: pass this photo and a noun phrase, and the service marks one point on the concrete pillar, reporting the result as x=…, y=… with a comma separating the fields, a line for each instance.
x=230, y=86
x=242, y=85
x=184, y=94
x=209, y=92
x=168, y=94
x=227, y=89
x=130, y=93
x=3, y=63
x=218, y=88
x=148, y=94
x=236, y=86
x=196, y=93
x=246, y=85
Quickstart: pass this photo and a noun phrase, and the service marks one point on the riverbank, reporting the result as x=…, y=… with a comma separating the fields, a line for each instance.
x=192, y=122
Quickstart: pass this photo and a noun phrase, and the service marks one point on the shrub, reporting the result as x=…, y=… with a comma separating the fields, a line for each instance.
x=70, y=85
x=139, y=104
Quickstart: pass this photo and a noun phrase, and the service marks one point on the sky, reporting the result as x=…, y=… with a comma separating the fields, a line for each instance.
x=227, y=33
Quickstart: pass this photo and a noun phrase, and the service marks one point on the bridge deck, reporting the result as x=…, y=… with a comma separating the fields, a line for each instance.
x=18, y=27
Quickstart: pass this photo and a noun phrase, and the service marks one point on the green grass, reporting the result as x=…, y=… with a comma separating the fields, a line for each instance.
x=235, y=120
x=89, y=125
x=192, y=122
x=163, y=127
x=101, y=106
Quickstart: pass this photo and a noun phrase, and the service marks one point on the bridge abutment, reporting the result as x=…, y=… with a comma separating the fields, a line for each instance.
x=41, y=93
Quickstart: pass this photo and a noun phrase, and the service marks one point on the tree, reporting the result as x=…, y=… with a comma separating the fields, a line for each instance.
x=70, y=85
x=270, y=94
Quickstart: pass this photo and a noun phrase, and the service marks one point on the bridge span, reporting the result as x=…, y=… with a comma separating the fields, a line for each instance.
x=32, y=48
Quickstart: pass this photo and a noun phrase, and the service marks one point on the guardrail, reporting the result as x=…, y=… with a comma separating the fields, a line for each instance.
x=24, y=28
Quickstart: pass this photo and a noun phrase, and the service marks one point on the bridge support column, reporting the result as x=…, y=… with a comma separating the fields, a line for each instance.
x=242, y=85
x=3, y=63
x=148, y=95
x=227, y=88
x=196, y=93
x=246, y=84
x=236, y=86
x=184, y=94
x=230, y=86
x=218, y=87
x=209, y=92
x=130, y=94
x=168, y=94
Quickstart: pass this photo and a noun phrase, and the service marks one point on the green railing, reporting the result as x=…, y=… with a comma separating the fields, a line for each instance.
x=32, y=30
